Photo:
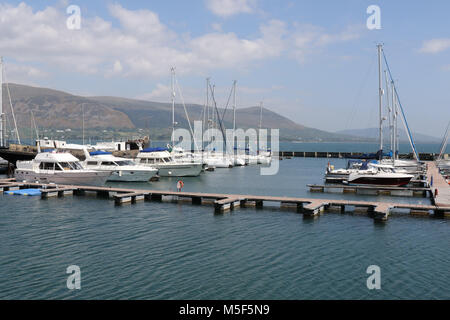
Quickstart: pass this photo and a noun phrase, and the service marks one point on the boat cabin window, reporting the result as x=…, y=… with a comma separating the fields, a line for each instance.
x=69, y=166
x=108, y=163
x=47, y=166
x=76, y=165
x=125, y=163
x=64, y=166
x=92, y=163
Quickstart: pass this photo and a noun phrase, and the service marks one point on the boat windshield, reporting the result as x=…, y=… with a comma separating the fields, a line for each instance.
x=387, y=170
x=71, y=165
x=125, y=163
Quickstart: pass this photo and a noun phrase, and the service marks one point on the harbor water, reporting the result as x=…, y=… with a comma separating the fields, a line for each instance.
x=154, y=250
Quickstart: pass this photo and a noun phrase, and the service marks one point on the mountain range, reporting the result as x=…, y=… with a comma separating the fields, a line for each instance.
x=372, y=133
x=61, y=110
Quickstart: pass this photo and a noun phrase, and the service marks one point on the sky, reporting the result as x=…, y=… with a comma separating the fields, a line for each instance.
x=314, y=62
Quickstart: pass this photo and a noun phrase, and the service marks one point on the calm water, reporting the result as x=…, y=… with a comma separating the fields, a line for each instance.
x=180, y=251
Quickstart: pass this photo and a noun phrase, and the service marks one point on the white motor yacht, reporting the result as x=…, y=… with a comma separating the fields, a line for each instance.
x=376, y=174
x=122, y=169
x=217, y=160
x=238, y=160
x=60, y=168
x=264, y=157
x=162, y=160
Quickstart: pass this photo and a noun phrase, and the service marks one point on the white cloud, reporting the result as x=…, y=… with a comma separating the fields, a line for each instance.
x=117, y=68
x=142, y=46
x=226, y=8
x=143, y=24
x=216, y=27
x=435, y=45
x=307, y=39
x=162, y=92
x=24, y=74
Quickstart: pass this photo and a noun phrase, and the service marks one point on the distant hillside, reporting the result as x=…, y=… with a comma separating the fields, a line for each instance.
x=372, y=133
x=155, y=114
x=60, y=110
x=57, y=109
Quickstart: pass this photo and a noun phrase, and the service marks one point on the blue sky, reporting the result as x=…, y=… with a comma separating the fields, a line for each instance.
x=312, y=61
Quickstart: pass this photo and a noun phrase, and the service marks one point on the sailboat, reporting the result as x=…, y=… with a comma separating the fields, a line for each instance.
x=2, y=115
x=162, y=159
x=383, y=174
x=215, y=158
x=264, y=156
x=411, y=166
x=378, y=174
x=236, y=158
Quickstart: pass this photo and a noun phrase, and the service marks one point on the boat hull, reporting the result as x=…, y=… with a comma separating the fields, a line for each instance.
x=397, y=182
x=179, y=170
x=132, y=176
x=86, y=179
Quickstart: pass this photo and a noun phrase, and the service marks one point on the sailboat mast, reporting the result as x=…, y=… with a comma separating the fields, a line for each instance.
x=389, y=107
x=444, y=143
x=234, y=106
x=380, y=99
x=260, y=123
x=260, y=115
x=2, y=136
x=394, y=123
x=82, y=111
x=234, y=117
x=397, y=136
x=173, y=106
x=35, y=125
x=206, y=115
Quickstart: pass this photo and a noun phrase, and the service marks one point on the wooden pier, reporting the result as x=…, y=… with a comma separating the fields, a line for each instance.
x=440, y=188
x=344, y=155
x=309, y=207
x=373, y=190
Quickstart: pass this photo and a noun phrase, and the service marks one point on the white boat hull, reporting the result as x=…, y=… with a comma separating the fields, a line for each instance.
x=132, y=176
x=237, y=161
x=179, y=169
x=65, y=177
x=218, y=162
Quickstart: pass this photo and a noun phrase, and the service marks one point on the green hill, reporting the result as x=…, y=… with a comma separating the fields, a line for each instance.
x=60, y=110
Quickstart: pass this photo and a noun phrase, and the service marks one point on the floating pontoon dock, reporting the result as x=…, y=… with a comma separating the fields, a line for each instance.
x=223, y=202
x=372, y=190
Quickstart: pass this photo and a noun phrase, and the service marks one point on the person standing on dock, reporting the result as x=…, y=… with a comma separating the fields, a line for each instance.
x=180, y=185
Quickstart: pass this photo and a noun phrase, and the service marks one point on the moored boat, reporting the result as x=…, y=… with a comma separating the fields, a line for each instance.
x=161, y=159
x=380, y=175
x=122, y=169
x=60, y=168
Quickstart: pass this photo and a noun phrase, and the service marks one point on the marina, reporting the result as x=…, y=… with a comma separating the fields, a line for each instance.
x=224, y=150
